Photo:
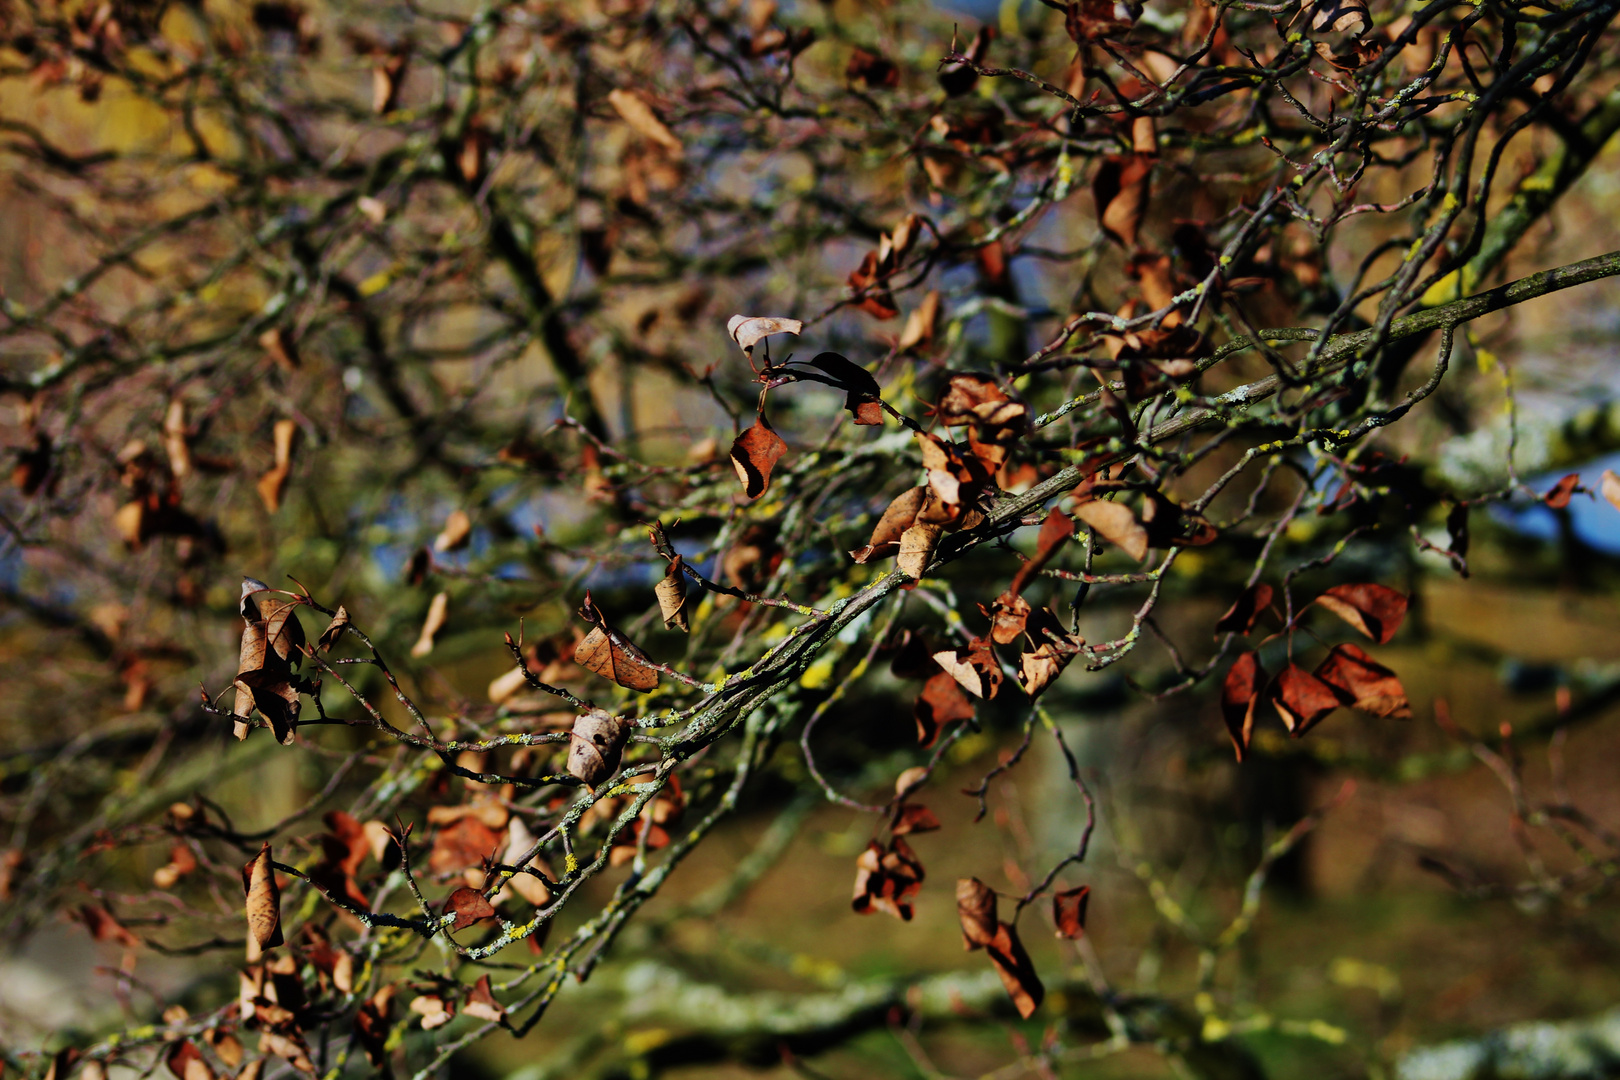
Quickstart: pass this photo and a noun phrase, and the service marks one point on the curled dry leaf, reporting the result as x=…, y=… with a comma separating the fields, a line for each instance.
x=609, y=655
x=1122, y=188
x=1007, y=616
x=273, y=484
x=1240, y=691
x=372, y=1024
x=465, y=843
x=940, y=704
x=186, y=1062
x=917, y=546
x=457, y=528
x=1115, y=523
x=176, y=441
x=909, y=780
x=863, y=394
x=1363, y=683
x=639, y=115
x=334, y=629
x=1069, y=912
x=1375, y=610
x=749, y=330
x=975, y=668
x=1563, y=491
x=976, y=910
x=272, y=643
x=1301, y=699
x=671, y=593
x=1039, y=667
x=887, y=880
x=919, y=329
x=1245, y=610
x=913, y=818
x=596, y=747
x=755, y=454
x=433, y=1009
x=481, y=1002
x=438, y=610
x=263, y=906
x=468, y=906
x=896, y=519
x=1016, y=970
x=1610, y=487
x=1055, y=531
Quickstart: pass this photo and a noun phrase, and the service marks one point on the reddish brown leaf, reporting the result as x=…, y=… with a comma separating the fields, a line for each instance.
x=186, y=1062
x=1363, y=683
x=1016, y=970
x=1375, y=610
x=914, y=818
x=1069, y=911
x=334, y=629
x=481, y=1002
x=104, y=927
x=596, y=746
x=671, y=593
x=873, y=70
x=372, y=1024
x=1245, y=610
x=1121, y=188
x=755, y=454
x=941, y=703
x=466, y=842
x=976, y=909
x=887, y=880
x=1301, y=699
x=1055, y=531
x=457, y=529
x=263, y=902
x=1561, y=492
x=468, y=906
x=1239, y=694
x=609, y=654
x=1007, y=617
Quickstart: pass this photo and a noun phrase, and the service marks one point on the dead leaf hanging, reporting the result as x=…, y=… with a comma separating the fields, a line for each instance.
x=887, y=880
x=273, y=484
x=639, y=115
x=609, y=654
x=1245, y=610
x=1364, y=683
x=438, y=611
x=468, y=906
x=1115, y=523
x=897, y=518
x=1376, y=610
x=671, y=593
x=917, y=546
x=755, y=454
x=1069, y=912
x=974, y=667
x=596, y=747
x=1016, y=970
x=749, y=330
x=263, y=903
x=481, y=1002
x=1301, y=699
x=1122, y=188
x=457, y=528
x=976, y=910
x=941, y=703
x=1240, y=691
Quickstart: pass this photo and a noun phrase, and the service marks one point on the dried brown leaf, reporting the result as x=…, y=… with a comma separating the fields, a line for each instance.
x=1245, y=610
x=639, y=115
x=917, y=546
x=438, y=611
x=263, y=906
x=671, y=593
x=755, y=454
x=1240, y=691
x=454, y=535
x=1069, y=912
x=1115, y=523
x=1016, y=970
x=1301, y=699
x=1363, y=683
x=976, y=910
x=468, y=906
x=481, y=1002
x=597, y=744
x=748, y=330
x=1375, y=610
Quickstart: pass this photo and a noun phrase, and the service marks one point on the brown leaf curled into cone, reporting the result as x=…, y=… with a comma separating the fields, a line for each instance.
x=671, y=593
x=755, y=454
x=1069, y=911
x=371, y=1025
x=1245, y=610
x=597, y=744
x=1039, y=667
x=1375, y=610
x=334, y=629
x=1115, y=523
x=976, y=909
x=263, y=901
x=1301, y=699
x=1363, y=683
x=481, y=1002
x=1016, y=970
x=1240, y=691
x=468, y=906
x=917, y=546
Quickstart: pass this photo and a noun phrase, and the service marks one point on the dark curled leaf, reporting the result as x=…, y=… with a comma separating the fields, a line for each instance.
x=1239, y=693
x=1563, y=491
x=1364, y=683
x=1069, y=911
x=976, y=909
x=914, y=818
x=1245, y=610
x=1016, y=970
x=1301, y=699
x=468, y=906
x=1375, y=610
x=941, y=702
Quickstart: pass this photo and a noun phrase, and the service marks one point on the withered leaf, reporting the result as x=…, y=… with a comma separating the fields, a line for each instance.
x=1245, y=610
x=1301, y=699
x=913, y=818
x=671, y=593
x=273, y=484
x=1115, y=523
x=873, y=70
x=974, y=667
x=263, y=902
x=1016, y=970
x=919, y=328
x=1007, y=617
x=334, y=629
x=612, y=657
x=1375, y=610
x=1240, y=691
x=1039, y=667
x=104, y=927
x=748, y=330
x=186, y=1062
x=438, y=611
x=371, y=1025
x=434, y=1010
x=887, y=880
x=755, y=454
x=1069, y=911
x=909, y=779
x=1364, y=683
x=941, y=703
x=468, y=906
x=976, y=910
x=896, y=519
x=465, y=842
x=596, y=747
x=917, y=546
x=1121, y=188
x=1610, y=487
x=639, y=115
x=454, y=535
x=1055, y=530
x=1561, y=492
x=481, y=1002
